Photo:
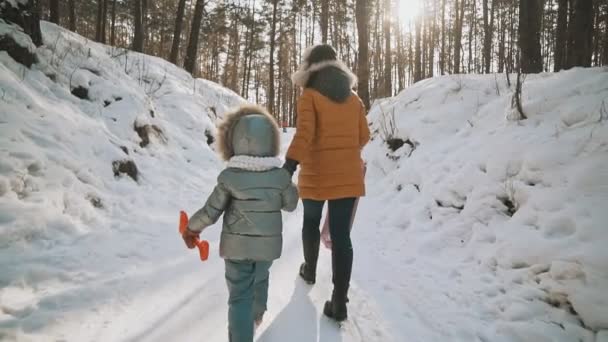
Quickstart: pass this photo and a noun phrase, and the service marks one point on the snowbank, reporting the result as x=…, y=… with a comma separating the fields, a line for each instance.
x=68, y=127
x=513, y=211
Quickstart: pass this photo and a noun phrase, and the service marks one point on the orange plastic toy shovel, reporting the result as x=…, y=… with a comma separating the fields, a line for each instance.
x=203, y=245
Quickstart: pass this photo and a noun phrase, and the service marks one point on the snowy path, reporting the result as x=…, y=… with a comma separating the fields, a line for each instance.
x=195, y=306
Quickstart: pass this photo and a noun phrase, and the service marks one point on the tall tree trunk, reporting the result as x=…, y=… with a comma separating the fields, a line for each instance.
x=488, y=26
x=442, y=54
x=561, y=35
x=432, y=37
x=530, y=13
x=377, y=91
x=138, y=37
x=388, y=62
x=177, y=31
x=501, y=45
x=362, y=18
x=418, y=52
x=99, y=21
x=596, y=33
x=605, y=44
x=324, y=20
x=273, y=28
x=424, y=45
x=54, y=9
x=72, y=15
x=569, y=62
x=459, y=10
x=113, y=24
x=104, y=20
x=144, y=19
x=192, y=51
x=580, y=54
x=471, y=33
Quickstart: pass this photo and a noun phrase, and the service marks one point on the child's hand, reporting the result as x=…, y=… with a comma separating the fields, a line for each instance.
x=190, y=238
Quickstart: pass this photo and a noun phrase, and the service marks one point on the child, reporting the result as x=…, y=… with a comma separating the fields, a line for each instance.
x=251, y=191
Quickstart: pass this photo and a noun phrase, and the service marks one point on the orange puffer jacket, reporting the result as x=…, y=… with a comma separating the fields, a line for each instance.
x=327, y=144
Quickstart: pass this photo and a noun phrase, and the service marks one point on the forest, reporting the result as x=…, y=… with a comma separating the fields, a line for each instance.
x=253, y=46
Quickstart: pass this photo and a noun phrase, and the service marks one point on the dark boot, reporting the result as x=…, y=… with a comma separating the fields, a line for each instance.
x=336, y=308
x=342, y=263
x=309, y=278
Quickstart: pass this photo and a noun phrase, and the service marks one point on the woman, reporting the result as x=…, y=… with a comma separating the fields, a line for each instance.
x=331, y=131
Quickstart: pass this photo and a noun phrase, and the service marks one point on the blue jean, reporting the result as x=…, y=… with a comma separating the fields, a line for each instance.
x=248, y=294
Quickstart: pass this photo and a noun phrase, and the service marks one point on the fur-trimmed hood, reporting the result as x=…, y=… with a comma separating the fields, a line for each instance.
x=335, y=82
x=258, y=135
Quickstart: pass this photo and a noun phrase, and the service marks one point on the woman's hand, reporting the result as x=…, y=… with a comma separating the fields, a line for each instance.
x=290, y=165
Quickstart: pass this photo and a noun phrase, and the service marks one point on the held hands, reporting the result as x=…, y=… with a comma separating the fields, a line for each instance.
x=290, y=165
x=190, y=238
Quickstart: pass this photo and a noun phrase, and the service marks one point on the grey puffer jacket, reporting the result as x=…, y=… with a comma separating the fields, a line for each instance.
x=251, y=191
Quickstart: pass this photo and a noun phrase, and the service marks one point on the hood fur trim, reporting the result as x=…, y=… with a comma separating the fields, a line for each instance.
x=300, y=78
x=224, y=141
x=257, y=164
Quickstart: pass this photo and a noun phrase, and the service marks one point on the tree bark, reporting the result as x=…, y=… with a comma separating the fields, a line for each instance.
x=472, y=28
x=113, y=24
x=324, y=20
x=192, y=51
x=561, y=35
x=530, y=13
x=177, y=32
x=432, y=37
x=138, y=38
x=605, y=44
x=582, y=48
x=388, y=61
x=442, y=54
x=501, y=45
x=99, y=20
x=104, y=21
x=488, y=24
x=459, y=10
x=273, y=28
x=54, y=9
x=362, y=17
x=418, y=52
x=72, y=15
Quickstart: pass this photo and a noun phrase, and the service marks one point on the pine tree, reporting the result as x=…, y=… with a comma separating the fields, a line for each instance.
x=488, y=25
x=459, y=12
x=561, y=35
x=273, y=29
x=582, y=26
x=177, y=32
x=54, y=9
x=138, y=38
x=530, y=13
x=72, y=15
x=362, y=18
x=388, y=67
x=192, y=51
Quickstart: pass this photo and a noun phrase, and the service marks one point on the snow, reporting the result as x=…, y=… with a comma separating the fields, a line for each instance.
x=443, y=209
x=17, y=34
x=87, y=256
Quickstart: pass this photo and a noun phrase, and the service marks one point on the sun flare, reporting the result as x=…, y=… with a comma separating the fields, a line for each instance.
x=408, y=10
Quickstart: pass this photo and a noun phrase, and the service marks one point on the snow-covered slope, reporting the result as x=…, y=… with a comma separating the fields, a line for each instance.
x=495, y=228
x=62, y=209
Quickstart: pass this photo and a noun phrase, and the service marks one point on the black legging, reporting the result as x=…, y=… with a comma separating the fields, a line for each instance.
x=340, y=211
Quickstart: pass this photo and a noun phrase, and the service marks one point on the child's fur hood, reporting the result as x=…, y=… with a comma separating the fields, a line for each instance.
x=224, y=143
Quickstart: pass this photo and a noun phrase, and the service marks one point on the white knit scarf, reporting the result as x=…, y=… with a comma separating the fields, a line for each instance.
x=250, y=163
